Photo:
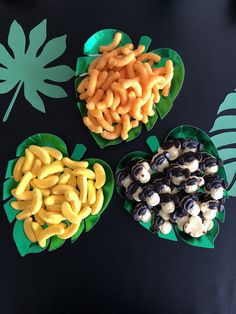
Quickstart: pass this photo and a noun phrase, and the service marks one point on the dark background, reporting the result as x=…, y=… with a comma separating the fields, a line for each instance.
x=118, y=267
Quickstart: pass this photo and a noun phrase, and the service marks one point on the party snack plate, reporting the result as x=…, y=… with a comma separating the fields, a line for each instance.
x=183, y=132
x=164, y=105
x=24, y=245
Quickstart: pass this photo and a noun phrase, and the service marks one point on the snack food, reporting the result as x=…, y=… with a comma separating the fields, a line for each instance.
x=55, y=194
x=121, y=88
x=181, y=186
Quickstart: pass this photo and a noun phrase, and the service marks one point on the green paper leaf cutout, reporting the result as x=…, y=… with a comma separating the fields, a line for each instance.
x=223, y=135
x=205, y=241
x=153, y=143
x=28, y=69
x=180, y=132
x=91, y=49
x=46, y=139
x=24, y=245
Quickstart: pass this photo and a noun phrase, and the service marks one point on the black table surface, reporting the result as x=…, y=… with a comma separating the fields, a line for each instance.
x=119, y=267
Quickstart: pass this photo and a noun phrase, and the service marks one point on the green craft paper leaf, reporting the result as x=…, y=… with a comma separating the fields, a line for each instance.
x=10, y=168
x=28, y=67
x=205, y=241
x=224, y=123
x=55, y=243
x=221, y=216
x=78, y=233
x=230, y=170
x=78, y=152
x=153, y=143
x=83, y=64
x=10, y=211
x=102, y=38
x=24, y=246
x=152, y=120
x=224, y=139
x=91, y=221
x=146, y=41
x=128, y=205
x=42, y=139
x=187, y=131
x=8, y=185
x=170, y=236
x=227, y=153
x=228, y=103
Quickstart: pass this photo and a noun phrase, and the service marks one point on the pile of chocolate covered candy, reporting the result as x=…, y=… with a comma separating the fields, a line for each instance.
x=179, y=185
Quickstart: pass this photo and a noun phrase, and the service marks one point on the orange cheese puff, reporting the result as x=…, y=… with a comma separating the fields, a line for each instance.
x=116, y=101
x=169, y=67
x=130, y=69
x=152, y=81
x=147, y=107
x=146, y=94
x=101, y=105
x=103, y=61
x=123, y=74
x=112, y=135
x=115, y=42
x=121, y=90
x=126, y=108
x=156, y=97
x=111, y=78
x=136, y=109
x=134, y=85
x=150, y=63
x=125, y=60
x=95, y=99
x=141, y=70
x=92, y=65
x=82, y=86
x=139, y=50
x=125, y=50
x=148, y=68
x=92, y=127
x=149, y=56
x=92, y=119
x=159, y=71
x=109, y=98
x=145, y=119
x=96, y=113
x=83, y=96
x=115, y=116
x=125, y=126
x=102, y=78
x=92, y=82
x=105, y=124
x=134, y=123
x=155, y=88
x=112, y=62
x=108, y=116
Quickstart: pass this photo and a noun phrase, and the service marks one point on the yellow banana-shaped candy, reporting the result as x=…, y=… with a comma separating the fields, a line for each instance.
x=72, y=164
x=24, y=214
x=100, y=175
x=84, y=212
x=97, y=206
x=83, y=187
x=74, y=200
x=25, y=196
x=41, y=153
x=55, y=153
x=91, y=192
x=49, y=232
x=54, y=208
x=70, y=231
x=29, y=160
x=20, y=205
x=72, y=180
x=39, y=220
x=29, y=232
x=84, y=172
x=54, y=199
x=50, y=217
x=25, y=180
x=17, y=172
x=36, y=228
x=68, y=212
x=48, y=170
x=62, y=189
x=36, y=166
x=36, y=202
x=64, y=178
x=46, y=183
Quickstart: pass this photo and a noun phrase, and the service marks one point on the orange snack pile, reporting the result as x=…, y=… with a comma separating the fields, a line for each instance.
x=121, y=88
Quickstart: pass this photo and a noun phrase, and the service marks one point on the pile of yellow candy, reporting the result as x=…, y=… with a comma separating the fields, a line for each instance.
x=54, y=194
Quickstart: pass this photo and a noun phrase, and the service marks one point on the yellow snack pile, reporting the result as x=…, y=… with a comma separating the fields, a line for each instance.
x=121, y=88
x=54, y=194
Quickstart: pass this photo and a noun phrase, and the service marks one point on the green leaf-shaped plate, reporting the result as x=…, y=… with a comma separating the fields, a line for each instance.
x=45, y=139
x=91, y=49
x=181, y=132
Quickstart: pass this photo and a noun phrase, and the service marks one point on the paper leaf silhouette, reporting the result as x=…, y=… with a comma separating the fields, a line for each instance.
x=224, y=138
x=24, y=67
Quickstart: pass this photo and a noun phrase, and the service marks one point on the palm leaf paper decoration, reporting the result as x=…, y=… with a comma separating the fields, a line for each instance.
x=223, y=135
x=25, y=66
